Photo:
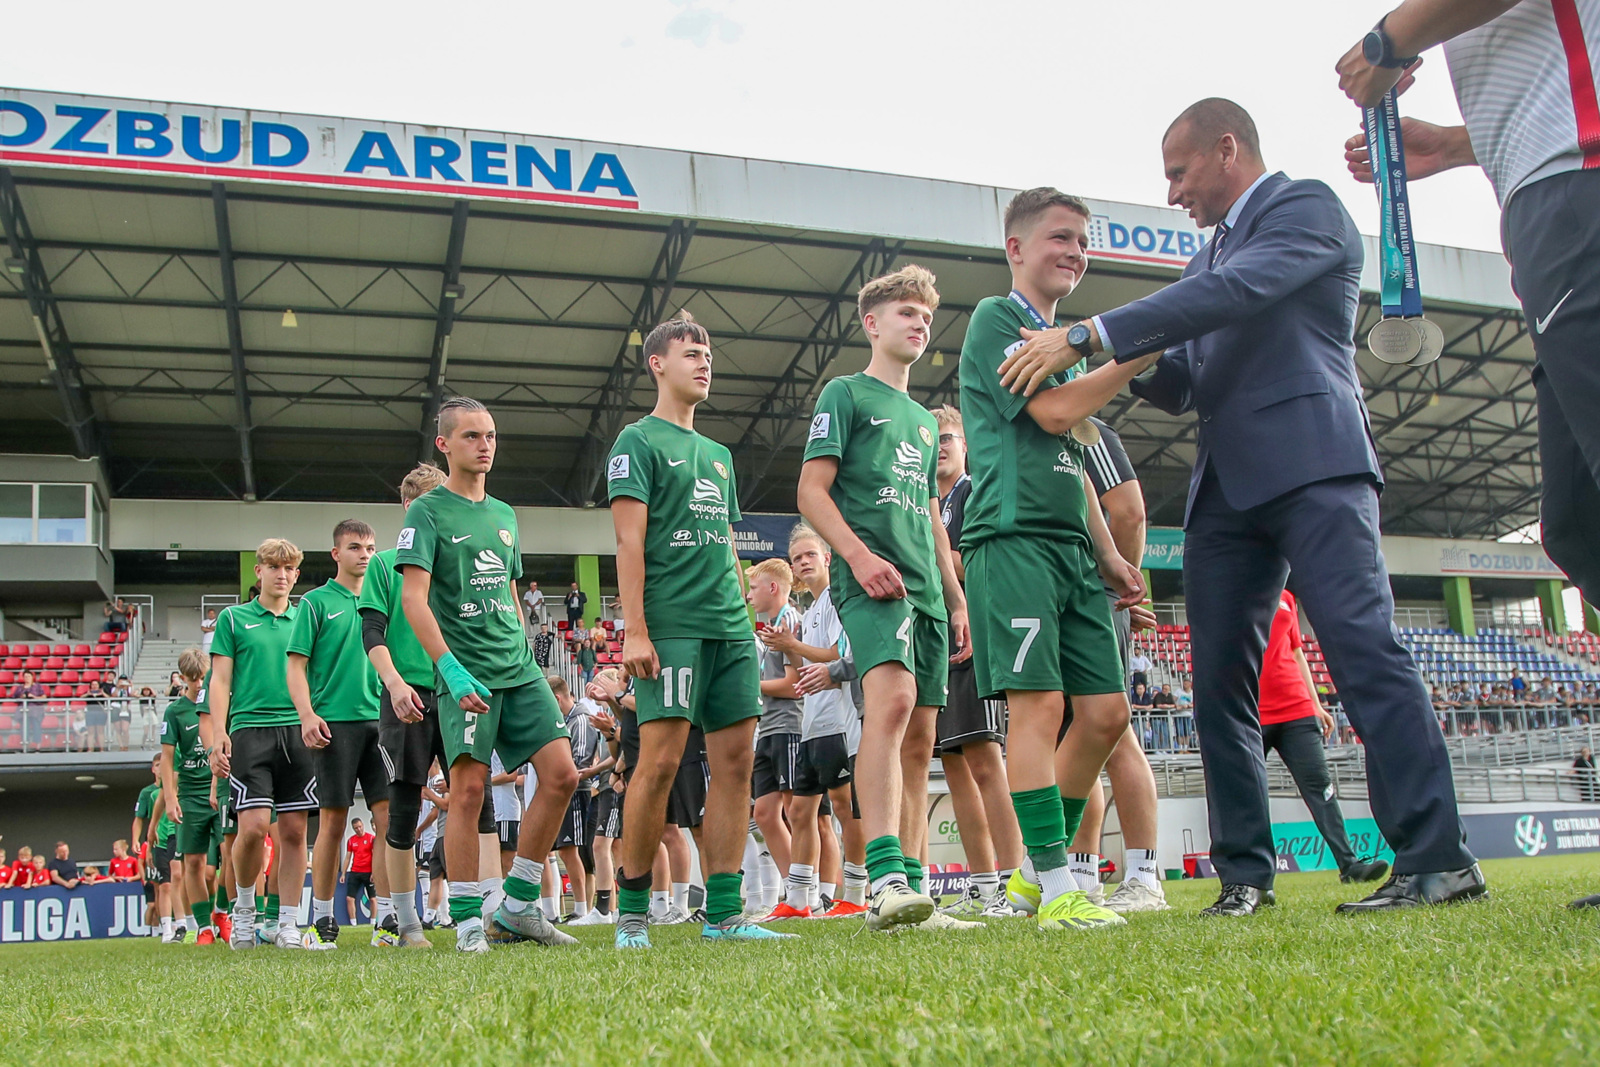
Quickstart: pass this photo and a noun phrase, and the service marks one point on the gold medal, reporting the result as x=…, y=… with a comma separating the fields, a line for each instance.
x=1086, y=434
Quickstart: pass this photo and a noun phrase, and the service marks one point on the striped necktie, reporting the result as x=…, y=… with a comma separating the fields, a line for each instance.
x=1216, y=242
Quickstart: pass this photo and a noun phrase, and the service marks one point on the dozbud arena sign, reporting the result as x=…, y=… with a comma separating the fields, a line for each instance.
x=232, y=144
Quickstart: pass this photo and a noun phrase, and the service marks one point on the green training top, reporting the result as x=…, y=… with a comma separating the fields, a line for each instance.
x=691, y=586
x=147, y=804
x=1024, y=481
x=381, y=592
x=180, y=728
x=472, y=550
x=327, y=631
x=886, y=444
x=258, y=643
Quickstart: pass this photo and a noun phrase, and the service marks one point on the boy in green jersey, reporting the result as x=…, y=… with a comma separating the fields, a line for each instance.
x=867, y=486
x=335, y=693
x=461, y=557
x=253, y=732
x=186, y=776
x=408, y=718
x=1035, y=552
x=146, y=816
x=688, y=640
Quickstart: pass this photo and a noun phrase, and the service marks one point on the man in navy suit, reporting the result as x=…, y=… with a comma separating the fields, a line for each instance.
x=1258, y=340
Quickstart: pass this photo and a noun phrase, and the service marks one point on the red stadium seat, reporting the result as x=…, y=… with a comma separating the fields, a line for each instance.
x=11, y=663
x=61, y=650
x=55, y=663
x=120, y=638
x=80, y=650
x=68, y=676
x=90, y=677
x=49, y=677
x=50, y=721
x=74, y=663
x=34, y=663
x=104, y=649
x=96, y=663
x=39, y=650
x=61, y=691
x=7, y=722
x=80, y=691
x=11, y=743
x=7, y=678
x=609, y=625
x=5, y=650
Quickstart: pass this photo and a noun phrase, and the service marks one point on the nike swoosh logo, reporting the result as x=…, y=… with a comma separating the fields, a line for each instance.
x=458, y=540
x=334, y=614
x=878, y=422
x=676, y=463
x=1540, y=324
x=251, y=625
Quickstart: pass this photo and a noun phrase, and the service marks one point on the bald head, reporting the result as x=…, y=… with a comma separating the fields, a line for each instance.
x=1204, y=123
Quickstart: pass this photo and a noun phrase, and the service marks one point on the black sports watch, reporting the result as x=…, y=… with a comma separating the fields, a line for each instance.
x=1379, y=48
x=1080, y=338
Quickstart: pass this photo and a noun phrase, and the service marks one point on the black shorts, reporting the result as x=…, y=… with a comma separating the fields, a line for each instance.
x=966, y=718
x=271, y=767
x=409, y=748
x=149, y=892
x=825, y=764
x=608, y=814
x=357, y=883
x=575, y=824
x=436, y=859
x=686, y=803
x=508, y=832
x=161, y=863
x=351, y=757
x=777, y=762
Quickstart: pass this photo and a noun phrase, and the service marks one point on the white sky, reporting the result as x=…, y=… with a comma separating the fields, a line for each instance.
x=1004, y=92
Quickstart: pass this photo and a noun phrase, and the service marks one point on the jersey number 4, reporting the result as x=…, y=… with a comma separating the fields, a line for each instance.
x=1031, y=631
x=685, y=678
x=904, y=633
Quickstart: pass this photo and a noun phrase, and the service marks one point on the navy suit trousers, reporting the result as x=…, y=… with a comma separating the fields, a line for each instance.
x=1235, y=563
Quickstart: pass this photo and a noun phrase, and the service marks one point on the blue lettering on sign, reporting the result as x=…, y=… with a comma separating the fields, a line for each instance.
x=73, y=139
x=1118, y=234
x=436, y=154
x=189, y=127
x=261, y=135
x=559, y=176
x=33, y=124
x=606, y=169
x=487, y=157
x=143, y=133
x=1186, y=244
x=375, y=150
x=1144, y=239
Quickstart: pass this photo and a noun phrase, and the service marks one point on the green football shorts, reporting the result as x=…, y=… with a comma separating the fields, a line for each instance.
x=892, y=631
x=1040, y=619
x=199, y=828
x=713, y=684
x=520, y=721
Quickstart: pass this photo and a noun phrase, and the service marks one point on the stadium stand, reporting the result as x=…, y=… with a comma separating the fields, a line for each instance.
x=1447, y=657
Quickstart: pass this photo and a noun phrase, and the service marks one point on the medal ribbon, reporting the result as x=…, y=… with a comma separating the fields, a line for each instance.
x=1030, y=311
x=1401, y=294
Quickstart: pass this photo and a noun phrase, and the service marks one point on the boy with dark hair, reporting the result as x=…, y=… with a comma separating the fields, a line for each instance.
x=186, y=776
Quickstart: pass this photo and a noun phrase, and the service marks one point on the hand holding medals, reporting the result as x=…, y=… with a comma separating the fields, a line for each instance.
x=1404, y=336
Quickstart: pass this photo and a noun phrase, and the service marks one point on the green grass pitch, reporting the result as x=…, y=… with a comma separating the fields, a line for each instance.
x=1513, y=980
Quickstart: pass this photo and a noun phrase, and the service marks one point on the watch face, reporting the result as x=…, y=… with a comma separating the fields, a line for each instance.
x=1078, y=335
x=1372, y=47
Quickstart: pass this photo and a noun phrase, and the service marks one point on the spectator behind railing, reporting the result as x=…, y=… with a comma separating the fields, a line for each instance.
x=116, y=614
x=123, y=867
x=63, y=871
x=1583, y=769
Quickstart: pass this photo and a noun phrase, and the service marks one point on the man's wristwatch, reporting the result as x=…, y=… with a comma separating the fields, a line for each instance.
x=1379, y=49
x=1081, y=338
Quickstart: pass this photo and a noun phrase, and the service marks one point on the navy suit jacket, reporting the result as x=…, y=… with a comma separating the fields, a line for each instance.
x=1261, y=345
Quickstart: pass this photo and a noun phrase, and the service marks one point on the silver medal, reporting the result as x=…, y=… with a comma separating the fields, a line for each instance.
x=1086, y=434
x=1432, y=338
x=1395, y=340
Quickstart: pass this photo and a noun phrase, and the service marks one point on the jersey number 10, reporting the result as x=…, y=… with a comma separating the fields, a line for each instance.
x=685, y=678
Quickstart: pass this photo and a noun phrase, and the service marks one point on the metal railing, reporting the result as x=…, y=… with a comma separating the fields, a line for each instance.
x=82, y=724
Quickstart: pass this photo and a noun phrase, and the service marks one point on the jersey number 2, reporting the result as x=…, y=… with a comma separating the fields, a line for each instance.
x=685, y=678
x=1032, y=628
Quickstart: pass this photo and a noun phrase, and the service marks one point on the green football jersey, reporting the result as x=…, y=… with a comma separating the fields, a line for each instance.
x=1024, y=481
x=886, y=445
x=381, y=592
x=691, y=586
x=180, y=728
x=146, y=802
x=472, y=550
x=258, y=643
x=327, y=631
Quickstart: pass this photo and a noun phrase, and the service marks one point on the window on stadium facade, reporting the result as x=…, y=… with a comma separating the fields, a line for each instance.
x=50, y=513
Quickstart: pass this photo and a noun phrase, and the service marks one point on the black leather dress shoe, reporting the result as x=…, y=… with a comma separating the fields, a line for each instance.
x=1240, y=901
x=1418, y=890
x=1364, y=872
x=1592, y=901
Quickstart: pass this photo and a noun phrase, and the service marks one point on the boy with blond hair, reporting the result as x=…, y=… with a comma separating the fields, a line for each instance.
x=778, y=736
x=867, y=488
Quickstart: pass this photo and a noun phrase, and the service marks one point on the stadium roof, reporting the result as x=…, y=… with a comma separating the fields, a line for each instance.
x=154, y=250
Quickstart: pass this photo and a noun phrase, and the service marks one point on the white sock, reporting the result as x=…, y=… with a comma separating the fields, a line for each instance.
x=404, y=906
x=1142, y=867
x=190, y=924
x=488, y=886
x=1055, y=883
x=288, y=916
x=244, y=901
x=425, y=883
x=855, y=883
x=166, y=926
x=551, y=908
x=1029, y=871
x=751, y=865
x=680, y=895
x=802, y=876
x=321, y=909
x=1085, y=868
x=383, y=907
x=466, y=924
x=580, y=909
x=660, y=901
x=827, y=890
x=896, y=878
x=987, y=883
x=771, y=881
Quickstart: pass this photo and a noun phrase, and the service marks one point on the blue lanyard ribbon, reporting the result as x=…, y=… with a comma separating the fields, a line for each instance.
x=1029, y=310
x=1401, y=293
